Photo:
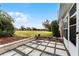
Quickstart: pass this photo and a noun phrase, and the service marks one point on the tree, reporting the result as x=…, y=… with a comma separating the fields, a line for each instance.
x=33, y=28
x=47, y=25
x=23, y=28
x=28, y=28
x=55, y=28
x=6, y=25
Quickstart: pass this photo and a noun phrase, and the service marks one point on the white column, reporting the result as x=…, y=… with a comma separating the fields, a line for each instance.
x=61, y=27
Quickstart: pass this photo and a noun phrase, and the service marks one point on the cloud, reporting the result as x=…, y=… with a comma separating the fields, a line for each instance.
x=20, y=19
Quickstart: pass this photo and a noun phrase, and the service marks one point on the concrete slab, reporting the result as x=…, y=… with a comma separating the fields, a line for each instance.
x=59, y=43
x=34, y=41
x=41, y=40
x=60, y=46
x=21, y=48
x=35, y=53
x=39, y=43
x=29, y=44
x=45, y=54
x=41, y=47
x=47, y=41
x=52, y=42
x=27, y=50
x=44, y=43
x=48, y=49
x=9, y=53
x=34, y=45
x=51, y=45
x=61, y=52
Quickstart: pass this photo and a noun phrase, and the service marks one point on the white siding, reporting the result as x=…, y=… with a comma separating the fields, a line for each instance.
x=66, y=43
x=72, y=49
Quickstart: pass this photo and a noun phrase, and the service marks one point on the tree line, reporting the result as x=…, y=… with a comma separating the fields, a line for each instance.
x=29, y=29
x=7, y=28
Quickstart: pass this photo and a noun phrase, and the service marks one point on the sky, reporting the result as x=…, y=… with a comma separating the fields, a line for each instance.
x=31, y=14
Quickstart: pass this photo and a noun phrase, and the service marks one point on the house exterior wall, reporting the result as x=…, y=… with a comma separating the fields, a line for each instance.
x=64, y=7
x=64, y=12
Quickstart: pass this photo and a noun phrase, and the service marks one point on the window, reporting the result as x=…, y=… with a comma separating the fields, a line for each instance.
x=73, y=34
x=73, y=20
x=72, y=25
x=66, y=33
x=73, y=10
x=66, y=28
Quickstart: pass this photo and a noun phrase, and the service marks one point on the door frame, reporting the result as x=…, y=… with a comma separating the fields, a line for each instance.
x=77, y=30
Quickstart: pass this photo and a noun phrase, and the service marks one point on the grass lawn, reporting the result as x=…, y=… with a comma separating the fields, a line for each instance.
x=18, y=35
x=33, y=33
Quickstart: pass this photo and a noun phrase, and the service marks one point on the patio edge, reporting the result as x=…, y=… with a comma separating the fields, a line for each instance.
x=9, y=46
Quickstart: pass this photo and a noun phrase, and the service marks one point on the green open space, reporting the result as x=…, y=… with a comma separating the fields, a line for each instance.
x=33, y=33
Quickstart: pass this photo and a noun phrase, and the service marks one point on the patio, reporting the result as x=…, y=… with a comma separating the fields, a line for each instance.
x=40, y=47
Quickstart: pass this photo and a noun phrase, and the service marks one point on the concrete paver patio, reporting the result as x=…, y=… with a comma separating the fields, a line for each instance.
x=39, y=48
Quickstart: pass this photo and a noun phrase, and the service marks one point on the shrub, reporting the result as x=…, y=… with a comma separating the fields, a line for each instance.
x=55, y=28
x=6, y=26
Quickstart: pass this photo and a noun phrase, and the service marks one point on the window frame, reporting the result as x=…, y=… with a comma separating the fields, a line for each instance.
x=72, y=25
x=66, y=27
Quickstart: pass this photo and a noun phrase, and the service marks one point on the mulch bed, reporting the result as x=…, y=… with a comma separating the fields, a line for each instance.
x=5, y=40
